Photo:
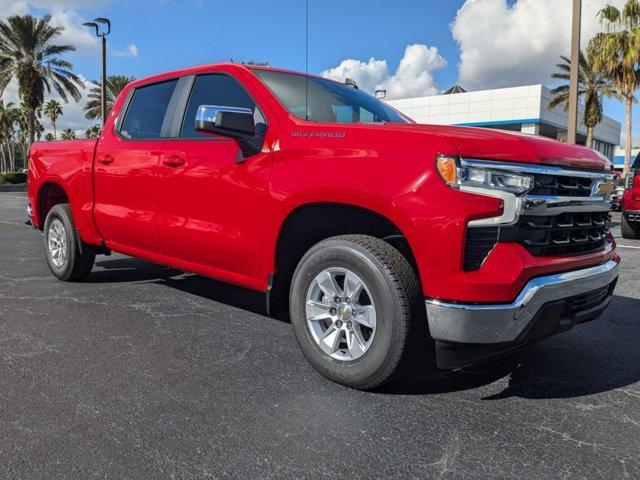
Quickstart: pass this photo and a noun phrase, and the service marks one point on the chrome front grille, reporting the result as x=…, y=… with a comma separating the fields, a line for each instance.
x=565, y=213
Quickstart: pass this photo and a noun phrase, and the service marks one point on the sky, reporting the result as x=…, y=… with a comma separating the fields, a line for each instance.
x=408, y=47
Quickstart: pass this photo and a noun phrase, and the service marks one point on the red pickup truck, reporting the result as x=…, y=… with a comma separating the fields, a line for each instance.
x=630, y=226
x=372, y=230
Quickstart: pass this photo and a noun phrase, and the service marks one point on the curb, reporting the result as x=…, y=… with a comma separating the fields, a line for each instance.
x=13, y=188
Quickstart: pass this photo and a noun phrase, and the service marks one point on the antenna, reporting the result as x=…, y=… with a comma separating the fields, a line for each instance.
x=306, y=62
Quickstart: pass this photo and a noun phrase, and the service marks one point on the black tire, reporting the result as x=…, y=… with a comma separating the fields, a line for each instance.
x=399, y=308
x=80, y=256
x=627, y=229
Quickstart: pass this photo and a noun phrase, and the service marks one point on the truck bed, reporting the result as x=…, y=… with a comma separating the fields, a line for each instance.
x=68, y=163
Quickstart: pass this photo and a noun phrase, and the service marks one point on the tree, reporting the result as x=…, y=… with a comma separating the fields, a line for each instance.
x=92, y=132
x=592, y=85
x=251, y=62
x=49, y=136
x=29, y=55
x=115, y=85
x=53, y=110
x=39, y=128
x=68, y=134
x=616, y=53
x=22, y=139
x=7, y=117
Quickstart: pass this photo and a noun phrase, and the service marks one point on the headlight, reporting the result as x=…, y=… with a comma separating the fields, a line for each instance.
x=458, y=176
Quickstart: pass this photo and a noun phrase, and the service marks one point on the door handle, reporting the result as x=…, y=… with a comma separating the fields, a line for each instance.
x=173, y=161
x=106, y=160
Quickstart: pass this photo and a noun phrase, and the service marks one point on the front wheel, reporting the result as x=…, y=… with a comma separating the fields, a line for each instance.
x=354, y=302
x=68, y=257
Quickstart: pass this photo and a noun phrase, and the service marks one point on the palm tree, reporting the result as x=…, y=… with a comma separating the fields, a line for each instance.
x=92, y=132
x=616, y=53
x=39, y=129
x=28, y=54
x=6, y=132
x=49, y=137
x=53, y=110
x=592, y=85
x=68, y=134
x=115, y=85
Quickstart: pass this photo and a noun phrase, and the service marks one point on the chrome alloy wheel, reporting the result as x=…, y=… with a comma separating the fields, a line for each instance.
x=57, y=243
x=341, y=314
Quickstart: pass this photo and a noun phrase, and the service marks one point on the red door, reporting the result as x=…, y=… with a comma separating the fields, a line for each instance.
x=211, y=199
x=211, y=207
x=127, y=171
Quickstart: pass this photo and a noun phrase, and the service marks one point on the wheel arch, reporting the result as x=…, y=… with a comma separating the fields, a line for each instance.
x=50, y=193
x=309, y=223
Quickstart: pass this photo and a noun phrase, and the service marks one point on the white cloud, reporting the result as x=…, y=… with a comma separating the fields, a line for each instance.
x=74, y=32
x=20, y=7
x=130, y=51
x=413, y=78
x=367, y=75
x=517, y=44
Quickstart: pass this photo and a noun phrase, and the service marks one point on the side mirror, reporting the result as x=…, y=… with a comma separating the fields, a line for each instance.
x=231, y=122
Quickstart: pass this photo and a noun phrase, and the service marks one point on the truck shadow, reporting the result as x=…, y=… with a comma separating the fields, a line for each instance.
x=600, y=356
x=133, y=270
x=591, y=358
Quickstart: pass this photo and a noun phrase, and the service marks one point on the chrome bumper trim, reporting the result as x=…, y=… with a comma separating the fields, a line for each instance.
x=498, y=323
x=548, y=205
x=536, y=168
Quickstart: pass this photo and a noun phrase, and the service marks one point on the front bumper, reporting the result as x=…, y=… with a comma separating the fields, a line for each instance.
x=546, y=305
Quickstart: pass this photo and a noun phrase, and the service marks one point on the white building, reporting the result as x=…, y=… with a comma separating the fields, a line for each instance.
x=618, y=159
x=524, y=109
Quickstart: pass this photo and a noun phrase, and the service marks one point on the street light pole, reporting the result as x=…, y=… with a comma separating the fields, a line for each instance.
x=103, y=36
x=572, y=126
x=104, y=80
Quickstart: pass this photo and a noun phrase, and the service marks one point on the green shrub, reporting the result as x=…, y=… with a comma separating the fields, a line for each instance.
x=13, y=178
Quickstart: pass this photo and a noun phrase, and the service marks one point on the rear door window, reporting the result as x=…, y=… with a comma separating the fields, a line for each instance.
x=147, y=111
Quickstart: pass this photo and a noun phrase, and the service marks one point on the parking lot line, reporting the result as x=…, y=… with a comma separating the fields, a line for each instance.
x=628, y=246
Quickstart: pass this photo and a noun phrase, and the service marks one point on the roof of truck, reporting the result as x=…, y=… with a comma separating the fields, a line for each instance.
x=212, y=66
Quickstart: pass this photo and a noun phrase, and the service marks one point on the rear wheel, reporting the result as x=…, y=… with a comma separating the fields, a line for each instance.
x=628, y=229
x=355, y=301
x=68, y=257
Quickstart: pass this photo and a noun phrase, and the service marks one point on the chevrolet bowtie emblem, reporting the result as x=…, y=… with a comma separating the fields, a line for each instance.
x=606, y=189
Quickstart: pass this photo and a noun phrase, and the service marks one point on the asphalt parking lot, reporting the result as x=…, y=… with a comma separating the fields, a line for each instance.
x=145, y=372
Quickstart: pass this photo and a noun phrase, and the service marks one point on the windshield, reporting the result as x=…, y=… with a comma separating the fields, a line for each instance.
x=320, y=100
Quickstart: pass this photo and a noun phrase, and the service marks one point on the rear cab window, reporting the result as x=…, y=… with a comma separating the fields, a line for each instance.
x=146, y=111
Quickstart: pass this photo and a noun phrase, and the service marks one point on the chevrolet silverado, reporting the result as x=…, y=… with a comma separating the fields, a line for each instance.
x=372, y=230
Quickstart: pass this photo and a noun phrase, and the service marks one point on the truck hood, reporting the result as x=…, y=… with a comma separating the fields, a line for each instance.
x=489, y=144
